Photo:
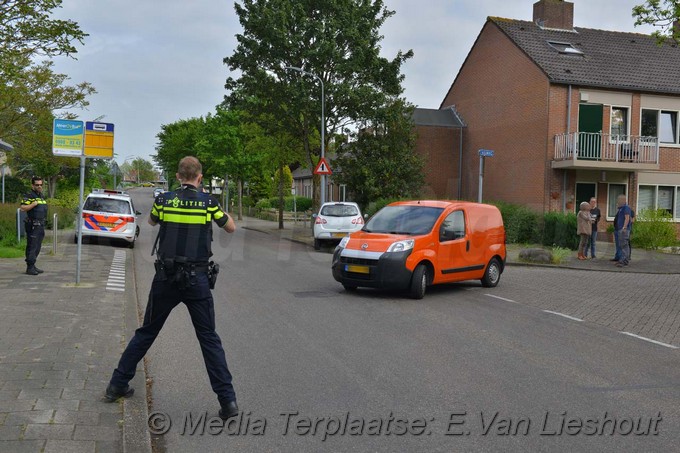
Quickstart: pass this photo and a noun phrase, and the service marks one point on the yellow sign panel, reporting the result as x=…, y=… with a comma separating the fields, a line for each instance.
x=99, y=140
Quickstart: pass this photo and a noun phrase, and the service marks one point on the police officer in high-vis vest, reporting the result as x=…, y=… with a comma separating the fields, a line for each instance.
x=35, y=207
x=184, y=273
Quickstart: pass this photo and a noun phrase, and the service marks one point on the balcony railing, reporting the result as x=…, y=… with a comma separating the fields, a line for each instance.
x=587, y=146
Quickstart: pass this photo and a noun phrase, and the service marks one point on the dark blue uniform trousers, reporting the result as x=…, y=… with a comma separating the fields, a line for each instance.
x=165, y=296
x=34, y=238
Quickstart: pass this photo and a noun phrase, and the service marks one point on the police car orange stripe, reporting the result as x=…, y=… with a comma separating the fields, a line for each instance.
x=105, y=223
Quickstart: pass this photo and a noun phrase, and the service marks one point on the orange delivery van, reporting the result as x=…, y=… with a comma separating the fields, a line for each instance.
x=410, y=245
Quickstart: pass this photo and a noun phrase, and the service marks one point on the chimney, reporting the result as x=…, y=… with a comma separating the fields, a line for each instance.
x=554, y=14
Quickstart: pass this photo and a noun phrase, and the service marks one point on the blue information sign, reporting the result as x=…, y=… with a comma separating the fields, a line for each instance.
x=485, y=153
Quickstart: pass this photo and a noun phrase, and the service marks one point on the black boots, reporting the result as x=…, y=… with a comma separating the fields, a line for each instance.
x=32, y=270
x=229, y=409
x=113, y=393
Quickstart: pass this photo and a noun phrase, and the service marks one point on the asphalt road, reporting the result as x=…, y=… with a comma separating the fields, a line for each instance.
x=467, y=368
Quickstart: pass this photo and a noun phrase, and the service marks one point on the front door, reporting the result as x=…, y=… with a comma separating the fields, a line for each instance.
x=584, y=192
x=590, y=131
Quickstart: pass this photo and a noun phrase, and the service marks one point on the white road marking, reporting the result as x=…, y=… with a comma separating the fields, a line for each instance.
x=563, y=315
x=502, y=298
x=116, y=281
x=650, y=340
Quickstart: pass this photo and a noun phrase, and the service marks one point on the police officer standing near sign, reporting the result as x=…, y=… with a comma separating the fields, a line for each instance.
x=184, y=273
x=35, y=207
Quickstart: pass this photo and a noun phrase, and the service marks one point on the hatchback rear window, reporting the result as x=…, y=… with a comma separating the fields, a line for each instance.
x=107, y=205
x=339, y=210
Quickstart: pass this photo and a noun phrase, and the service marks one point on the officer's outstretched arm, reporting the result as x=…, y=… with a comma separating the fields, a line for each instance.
x=230, y=226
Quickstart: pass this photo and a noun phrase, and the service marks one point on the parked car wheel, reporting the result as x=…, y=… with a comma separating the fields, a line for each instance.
x=419, y=282
x=492, y=275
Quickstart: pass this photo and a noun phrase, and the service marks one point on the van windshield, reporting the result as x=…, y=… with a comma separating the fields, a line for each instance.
x=414, y=220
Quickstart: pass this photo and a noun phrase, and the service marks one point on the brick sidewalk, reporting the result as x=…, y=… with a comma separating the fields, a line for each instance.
x=59, y=345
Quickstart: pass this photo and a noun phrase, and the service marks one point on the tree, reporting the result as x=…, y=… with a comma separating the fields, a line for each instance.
x=27, y=30
x=335, y=40
x=663, y=14
x=380, y=162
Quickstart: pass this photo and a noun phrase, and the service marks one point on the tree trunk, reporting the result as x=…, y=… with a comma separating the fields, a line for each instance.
x=280, y=190
x=240, y=199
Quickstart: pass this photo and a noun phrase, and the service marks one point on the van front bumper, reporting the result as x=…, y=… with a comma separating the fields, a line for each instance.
x=388, y=271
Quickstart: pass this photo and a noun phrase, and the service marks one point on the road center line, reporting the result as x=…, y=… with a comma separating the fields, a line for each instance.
x=502, y=298
x=563, y=315
x=650, y=340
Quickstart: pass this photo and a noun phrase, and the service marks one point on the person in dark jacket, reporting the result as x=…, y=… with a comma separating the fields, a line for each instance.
x=35, y=207
x=184, y=273
x=595, y=216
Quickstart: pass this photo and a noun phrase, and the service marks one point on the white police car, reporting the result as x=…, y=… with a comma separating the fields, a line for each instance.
x=110, y=214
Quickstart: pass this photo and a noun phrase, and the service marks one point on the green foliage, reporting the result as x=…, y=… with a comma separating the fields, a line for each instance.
x=661, y=14
x=377, y=205
x=560, y=230
x=381, y=163
x=66, y=216
x=15, y=189
x=522, y=225
x=66, y=198
x=287, y=181
x=8, y=224
x=653, y=228
x=337, y=47
x=265, y=203
x=301, y=203
x=559, y=254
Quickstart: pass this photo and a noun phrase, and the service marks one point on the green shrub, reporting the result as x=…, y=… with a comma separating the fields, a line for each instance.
x=653, y=228
x=377, y=205
x=522, y=225
x=560, y=230
x=301, y=203
x=66, y=216
x=263, y=204
x=67, y=198
x=15, y=189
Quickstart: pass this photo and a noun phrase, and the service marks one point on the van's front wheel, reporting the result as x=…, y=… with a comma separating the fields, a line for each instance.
x=419, y=282
x=492, y=275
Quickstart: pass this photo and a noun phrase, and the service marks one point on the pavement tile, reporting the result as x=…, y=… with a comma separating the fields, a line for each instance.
x=57, y=404
x=97, y=433
x=10, y=432
x=18, y=405
x=48, y=431
x=70, y=446
x=21, y=446
x=33, y=393
x=26, y=417
x=64, y=416
x=65, y=383
x=104, y=446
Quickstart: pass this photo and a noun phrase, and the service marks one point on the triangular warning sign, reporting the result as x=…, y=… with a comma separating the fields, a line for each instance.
x=322, y=168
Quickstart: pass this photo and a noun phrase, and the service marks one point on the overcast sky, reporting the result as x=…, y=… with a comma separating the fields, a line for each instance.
x=154, y=63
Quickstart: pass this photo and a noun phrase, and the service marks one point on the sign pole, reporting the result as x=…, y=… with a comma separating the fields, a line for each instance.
x=79, y=220
x=481, y=178
x=482, y=154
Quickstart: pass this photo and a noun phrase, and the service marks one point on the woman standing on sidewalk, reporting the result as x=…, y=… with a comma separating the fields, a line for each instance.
x=583, y=228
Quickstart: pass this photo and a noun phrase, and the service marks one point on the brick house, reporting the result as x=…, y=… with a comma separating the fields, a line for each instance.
x=569, y=112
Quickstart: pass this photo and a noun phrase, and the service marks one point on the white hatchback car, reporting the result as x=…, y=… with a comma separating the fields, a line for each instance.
x=110, y=214
x=335, y=221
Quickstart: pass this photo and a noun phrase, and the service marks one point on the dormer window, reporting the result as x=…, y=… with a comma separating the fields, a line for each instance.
x=565, y=47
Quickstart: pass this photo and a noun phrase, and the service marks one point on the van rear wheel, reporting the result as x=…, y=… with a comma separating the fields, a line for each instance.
x=419, y=282
x=492, y=275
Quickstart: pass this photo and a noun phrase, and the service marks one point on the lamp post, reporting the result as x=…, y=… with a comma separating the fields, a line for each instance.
x=323, y=126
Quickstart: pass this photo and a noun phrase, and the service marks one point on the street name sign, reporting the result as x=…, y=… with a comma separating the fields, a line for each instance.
x=485, y=153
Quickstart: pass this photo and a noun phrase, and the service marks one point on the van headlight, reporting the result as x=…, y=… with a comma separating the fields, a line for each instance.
x=343, y=242
x=401, y=246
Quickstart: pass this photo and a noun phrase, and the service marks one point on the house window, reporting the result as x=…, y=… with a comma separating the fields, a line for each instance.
x=662, y=124
x=668, y=127
x=613, y=192
x=659, y=197
x=564, y=47
x=619, y=123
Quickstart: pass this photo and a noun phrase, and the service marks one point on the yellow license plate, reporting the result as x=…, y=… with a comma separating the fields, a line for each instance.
x=339, y=235
x=106, y=224
x=357, y=269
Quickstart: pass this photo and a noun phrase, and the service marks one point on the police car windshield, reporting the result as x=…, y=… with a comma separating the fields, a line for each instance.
x=107, y=205
x=413, y=220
